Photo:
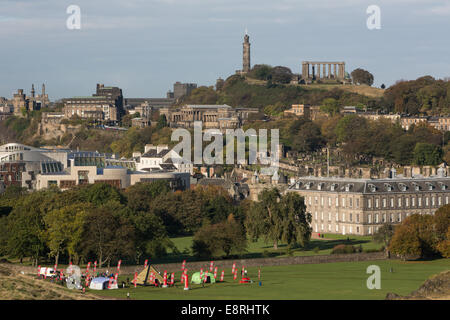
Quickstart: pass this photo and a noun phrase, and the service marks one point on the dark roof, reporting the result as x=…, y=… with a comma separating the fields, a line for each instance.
x=167, y=166
x=373, y=186
x=154, y=154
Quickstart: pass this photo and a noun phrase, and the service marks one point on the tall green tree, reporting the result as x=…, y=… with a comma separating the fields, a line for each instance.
x=64, y=228
x=279, y=218
x=427, y=154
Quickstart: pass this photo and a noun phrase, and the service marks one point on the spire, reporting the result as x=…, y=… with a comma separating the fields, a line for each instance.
x=43, y=89
x=32, y=90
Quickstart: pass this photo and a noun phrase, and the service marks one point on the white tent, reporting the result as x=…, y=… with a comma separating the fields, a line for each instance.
x=101, y=283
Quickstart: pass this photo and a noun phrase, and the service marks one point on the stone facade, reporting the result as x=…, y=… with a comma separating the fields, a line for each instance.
x=183, y=89
x=311, y=70
x=299, y=110
x=23, y=103
x=106, y=105
x=213, y=116
x=246, y=65
x=361, y=206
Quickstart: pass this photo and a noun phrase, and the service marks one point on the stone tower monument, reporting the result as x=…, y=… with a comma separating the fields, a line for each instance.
x=246, y=56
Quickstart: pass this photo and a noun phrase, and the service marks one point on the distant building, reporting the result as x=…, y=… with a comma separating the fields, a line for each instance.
x=40, y=168
x=161, y=158
x=140, y=122
x=407, y=122
x=213, y=116
x=183, y=89
x=106, y=105
x=299, y=110
x=157, y=103
x=361, y=206
x=22, y=103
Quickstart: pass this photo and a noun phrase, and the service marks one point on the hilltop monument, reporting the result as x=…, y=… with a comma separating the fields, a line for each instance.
x=246, y=65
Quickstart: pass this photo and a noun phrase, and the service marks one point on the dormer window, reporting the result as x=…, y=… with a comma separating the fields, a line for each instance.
x=348, y=187
x=430, y=186
x=443, y=186
x=388, y=187
x=308, y=185
x=402, y=186
x=416, y=187
x=320, y=186
x=334, y=187
x=372, y=187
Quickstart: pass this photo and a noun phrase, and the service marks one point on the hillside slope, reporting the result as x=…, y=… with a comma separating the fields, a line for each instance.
x=17, y=286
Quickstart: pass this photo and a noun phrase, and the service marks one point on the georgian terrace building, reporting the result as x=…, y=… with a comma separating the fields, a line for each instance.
x=361, y=206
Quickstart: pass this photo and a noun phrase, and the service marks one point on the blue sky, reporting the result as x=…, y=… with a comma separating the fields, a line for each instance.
x=144, y=46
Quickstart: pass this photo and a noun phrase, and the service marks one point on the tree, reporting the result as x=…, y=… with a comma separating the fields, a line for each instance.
x=162, y=122
x=222, y=238
x=330, y=106
x=444, y=246
x=260, y=72
x=415, y=237
x=107, y=236
x=64, y=228
x=141, y=195
x=427, y=154
x=296, y=222
x=361, y=76
x=201, y=95
x=442, y=222
x=279, y=218
x=100, y=193
x=384, y=234
x=306, y=136
x=281, y=75
x=26, y=227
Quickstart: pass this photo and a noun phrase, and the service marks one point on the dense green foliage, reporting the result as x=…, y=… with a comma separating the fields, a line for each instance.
x=279, y=217
x=237, y=92
x=361, y=139
x=424, y=95
x=219, y=239
x=361, y=76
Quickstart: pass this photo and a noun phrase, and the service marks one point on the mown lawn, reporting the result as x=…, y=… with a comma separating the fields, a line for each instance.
x=343, y=280
x=262, y=249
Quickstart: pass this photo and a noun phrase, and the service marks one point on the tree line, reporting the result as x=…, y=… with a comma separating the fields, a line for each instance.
x=100, y=222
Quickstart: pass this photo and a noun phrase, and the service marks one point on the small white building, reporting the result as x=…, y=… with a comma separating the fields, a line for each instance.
x=161, y=158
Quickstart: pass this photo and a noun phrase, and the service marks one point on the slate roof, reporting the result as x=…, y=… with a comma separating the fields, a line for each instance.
x=373, y=186
x=154, y=154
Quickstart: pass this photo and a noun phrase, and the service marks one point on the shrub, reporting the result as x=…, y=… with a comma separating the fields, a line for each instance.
x=343, y=249
x=316, y=250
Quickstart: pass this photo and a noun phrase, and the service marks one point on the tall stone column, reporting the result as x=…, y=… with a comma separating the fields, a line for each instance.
x=305, y=70
x=329, y=71
x=318, y=71
x=246, y=55
x=324, y=71
x=334, y=74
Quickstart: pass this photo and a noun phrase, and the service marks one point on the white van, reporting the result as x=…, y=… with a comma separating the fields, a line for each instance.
x=48, y=272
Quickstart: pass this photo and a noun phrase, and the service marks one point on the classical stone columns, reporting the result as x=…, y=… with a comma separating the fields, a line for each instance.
x=328, y=72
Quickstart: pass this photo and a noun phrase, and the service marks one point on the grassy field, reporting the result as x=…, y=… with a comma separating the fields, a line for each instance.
x=259, y=249
x=310, y=281
x=262, y=249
